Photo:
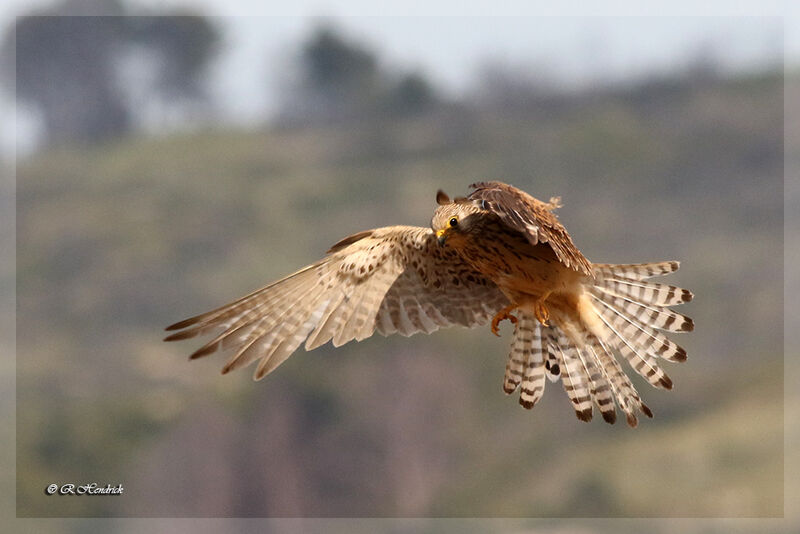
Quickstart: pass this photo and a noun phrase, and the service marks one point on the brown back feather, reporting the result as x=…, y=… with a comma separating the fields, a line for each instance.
x=532, y=217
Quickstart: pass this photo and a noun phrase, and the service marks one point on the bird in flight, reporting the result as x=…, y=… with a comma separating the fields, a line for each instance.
x=496, y=254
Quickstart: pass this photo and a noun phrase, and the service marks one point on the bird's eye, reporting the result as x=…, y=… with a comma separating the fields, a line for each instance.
x=453, y=222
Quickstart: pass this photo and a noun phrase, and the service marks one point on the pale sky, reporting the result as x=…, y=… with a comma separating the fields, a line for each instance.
x=577, y=44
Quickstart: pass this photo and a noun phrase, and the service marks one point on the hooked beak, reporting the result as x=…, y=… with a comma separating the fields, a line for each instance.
x=441, y=236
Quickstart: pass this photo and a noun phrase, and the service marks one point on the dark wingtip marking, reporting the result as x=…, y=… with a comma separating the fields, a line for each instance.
x=526, y=403
x=508, y=390
x=584, y=415
x=680, y=356
x=610, y=417
x=665, y=382
x=181, y=324
x=555, y=369
x=647, y=411
x=687, y=295
x=204, y=351
x=688, y=325
x=186, y=334
x=632, y=421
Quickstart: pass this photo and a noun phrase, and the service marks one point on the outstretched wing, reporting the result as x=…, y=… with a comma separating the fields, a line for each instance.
x=392, y=279
x=534, y=218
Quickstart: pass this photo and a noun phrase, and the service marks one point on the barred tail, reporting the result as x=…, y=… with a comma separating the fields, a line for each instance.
x=526, y=362
x=621, y=314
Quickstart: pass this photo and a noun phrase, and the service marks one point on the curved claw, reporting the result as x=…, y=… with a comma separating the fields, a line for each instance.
x=501, y=316
x=541, y=312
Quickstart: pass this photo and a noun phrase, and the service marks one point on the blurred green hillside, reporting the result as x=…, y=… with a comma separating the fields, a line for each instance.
x=117, y=241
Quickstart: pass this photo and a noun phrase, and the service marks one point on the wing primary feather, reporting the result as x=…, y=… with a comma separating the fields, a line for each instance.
x=251, y=319
x=269, y=325
x=289, y=336
x=211, y=315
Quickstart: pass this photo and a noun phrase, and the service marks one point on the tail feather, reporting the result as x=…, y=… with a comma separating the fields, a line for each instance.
x=533, y=381
x=636, y=271
x=620, y=314
x=646, y=315
x=551, y=365
x=633, y=312
x=525, y=367
x=626, y=394
x=602, y=394
x=649, y=293
x=574, y=378
x=653, y=341
x=643, y=363
x=518, y=357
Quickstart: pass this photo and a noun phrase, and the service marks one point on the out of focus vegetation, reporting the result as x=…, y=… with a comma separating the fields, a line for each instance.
x=94, y=78
x=340, y=80
x=116, y=241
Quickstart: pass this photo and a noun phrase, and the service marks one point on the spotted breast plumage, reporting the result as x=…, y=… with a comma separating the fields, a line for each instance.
x=496, y=254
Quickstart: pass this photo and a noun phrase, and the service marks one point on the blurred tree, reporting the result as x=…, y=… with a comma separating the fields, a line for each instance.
x=331, y=62
x=184, y=44
x=340, y=79
x=412, y=95
x=69, y=68
x=61, y=66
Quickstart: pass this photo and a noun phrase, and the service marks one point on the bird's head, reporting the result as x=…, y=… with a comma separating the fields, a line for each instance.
x=454, y=219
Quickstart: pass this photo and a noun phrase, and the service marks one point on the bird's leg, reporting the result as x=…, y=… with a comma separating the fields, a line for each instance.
x=501, y=316
x=540, y=310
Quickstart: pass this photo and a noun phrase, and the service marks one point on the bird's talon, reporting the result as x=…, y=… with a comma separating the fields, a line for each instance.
x=542, y=314
x=495, y=324
x=500, y=317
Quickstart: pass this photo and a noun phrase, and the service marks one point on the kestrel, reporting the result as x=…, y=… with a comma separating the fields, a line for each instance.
x=497, y=251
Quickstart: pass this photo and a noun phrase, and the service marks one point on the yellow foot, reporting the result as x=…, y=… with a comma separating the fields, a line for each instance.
x=501, y=316
x=541, y=313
